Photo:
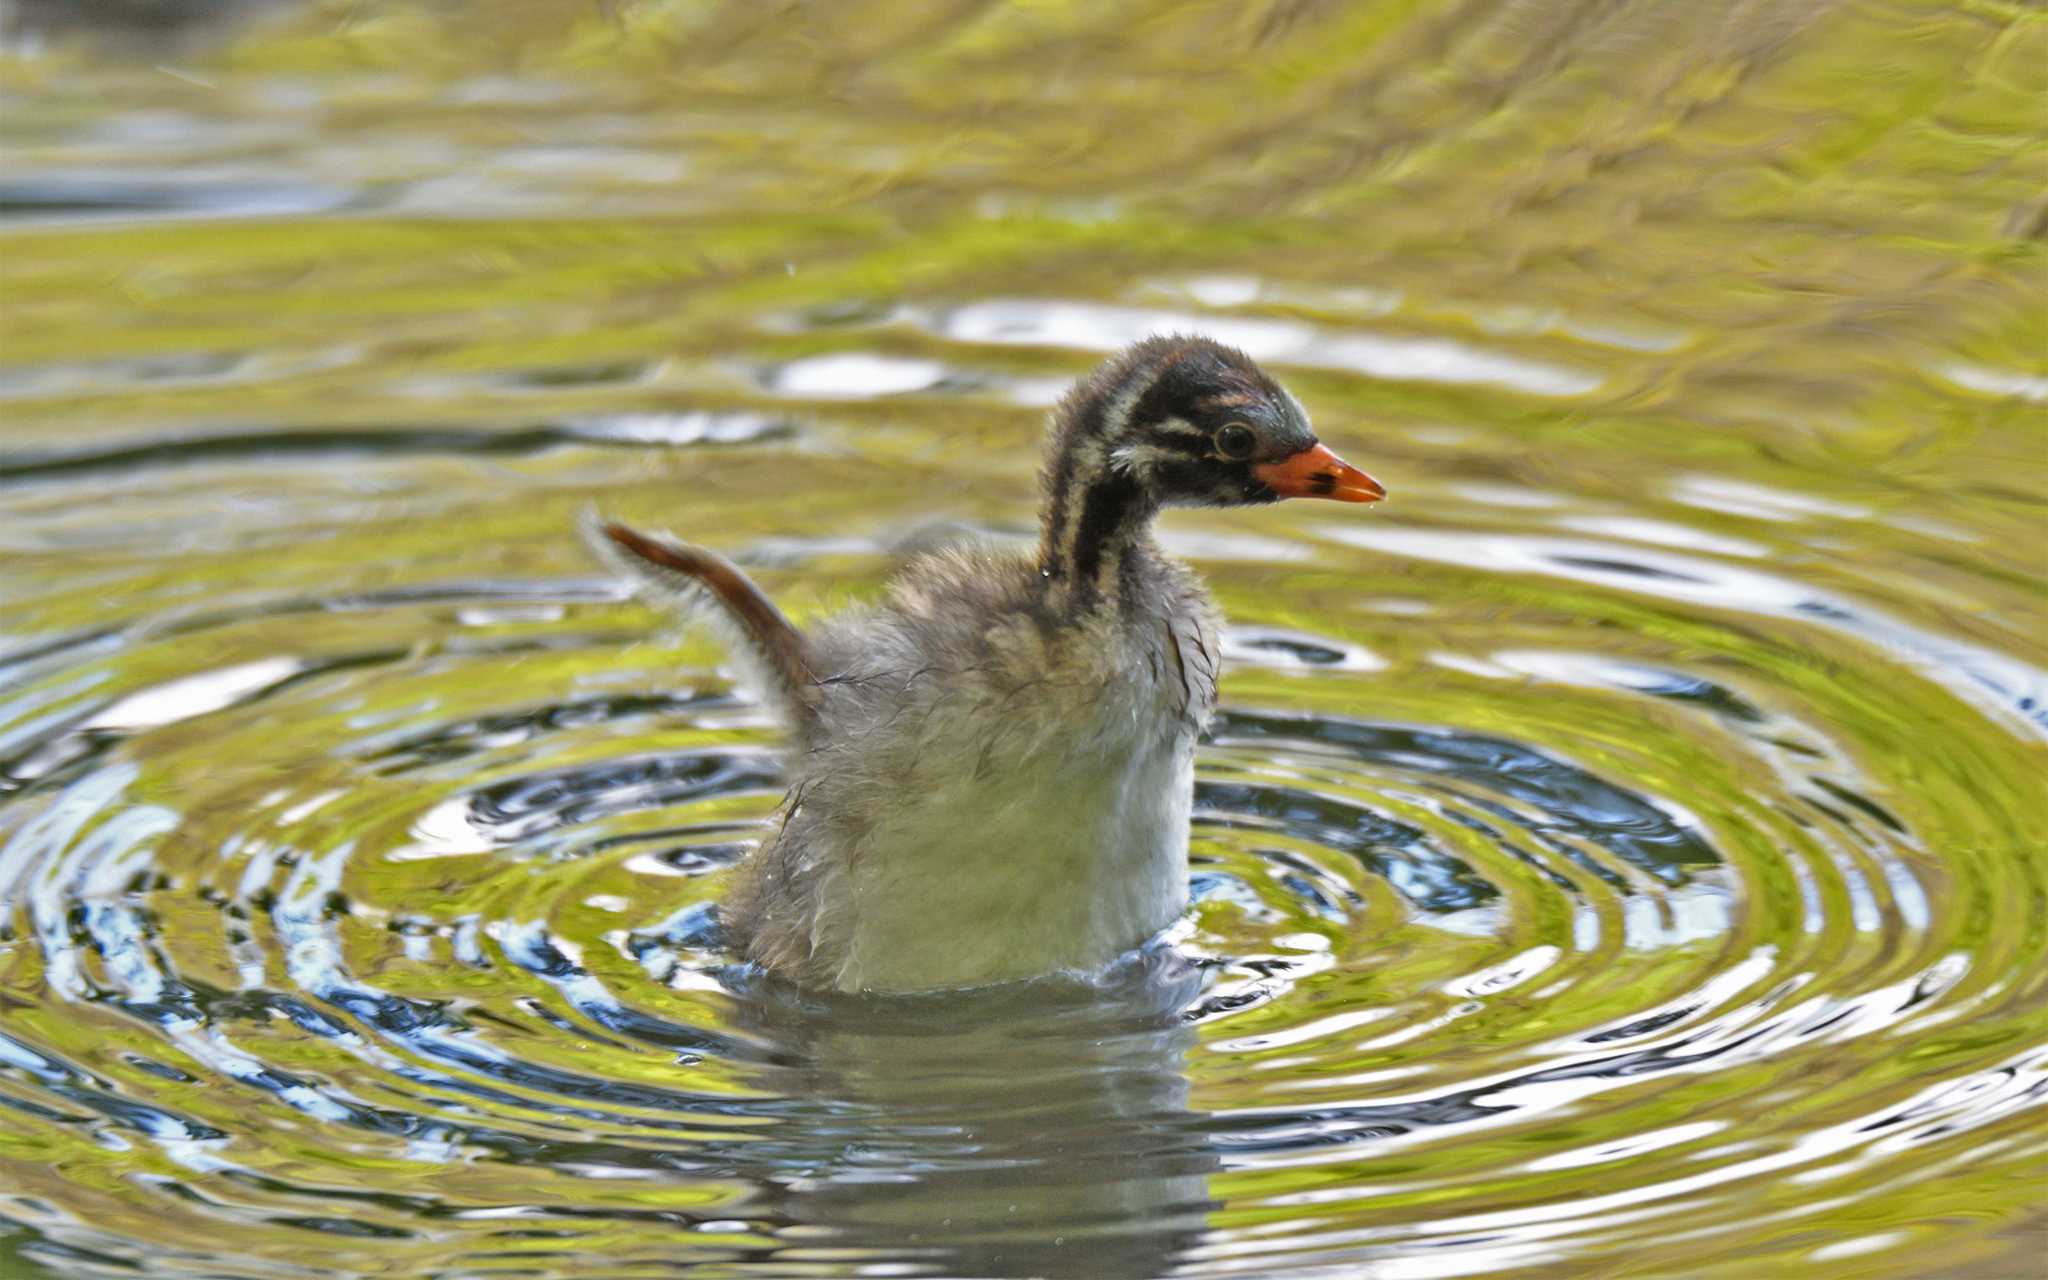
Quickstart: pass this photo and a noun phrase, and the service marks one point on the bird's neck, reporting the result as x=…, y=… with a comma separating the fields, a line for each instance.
x=1097, y=524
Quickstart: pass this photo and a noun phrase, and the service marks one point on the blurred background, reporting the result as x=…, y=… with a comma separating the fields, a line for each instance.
x=1622, y=852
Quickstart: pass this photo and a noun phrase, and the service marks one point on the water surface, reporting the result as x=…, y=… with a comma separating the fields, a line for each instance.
x=1620, y=853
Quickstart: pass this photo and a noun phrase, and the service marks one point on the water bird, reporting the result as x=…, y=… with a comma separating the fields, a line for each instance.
x=992, y=766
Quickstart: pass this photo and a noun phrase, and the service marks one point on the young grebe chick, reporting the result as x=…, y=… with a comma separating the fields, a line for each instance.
x=991, y=768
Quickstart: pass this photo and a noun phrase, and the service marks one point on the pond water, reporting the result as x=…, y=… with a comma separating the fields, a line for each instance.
x=1622, y=852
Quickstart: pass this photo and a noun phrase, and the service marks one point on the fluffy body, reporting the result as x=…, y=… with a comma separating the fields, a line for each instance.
x=982, y=796
x=991, y=768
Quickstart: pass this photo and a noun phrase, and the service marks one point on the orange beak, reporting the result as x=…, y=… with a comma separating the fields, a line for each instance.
x=1315, y=472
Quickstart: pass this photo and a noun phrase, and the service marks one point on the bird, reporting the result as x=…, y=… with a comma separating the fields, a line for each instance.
x=991, y=767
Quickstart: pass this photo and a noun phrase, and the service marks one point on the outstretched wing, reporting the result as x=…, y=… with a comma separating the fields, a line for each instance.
x=705, y=584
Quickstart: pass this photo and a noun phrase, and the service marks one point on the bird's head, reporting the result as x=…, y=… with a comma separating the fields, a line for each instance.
x=1193, y=423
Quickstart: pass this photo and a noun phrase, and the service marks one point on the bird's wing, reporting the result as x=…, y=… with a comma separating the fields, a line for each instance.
x=1194, y=655
x=705, y=584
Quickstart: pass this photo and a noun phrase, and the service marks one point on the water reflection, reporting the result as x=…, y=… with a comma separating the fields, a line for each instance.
x=951, y=1132
x=1624, y=845
x=1104, y=328
x=1049, y=1130
x=1995, y=681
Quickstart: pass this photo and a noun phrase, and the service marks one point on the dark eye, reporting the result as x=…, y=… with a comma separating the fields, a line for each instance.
x=1235, y=440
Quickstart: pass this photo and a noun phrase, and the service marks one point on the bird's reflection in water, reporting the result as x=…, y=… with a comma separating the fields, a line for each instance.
x=1035, y=1129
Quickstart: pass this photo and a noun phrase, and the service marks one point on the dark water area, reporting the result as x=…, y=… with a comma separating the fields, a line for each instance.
x=1621, y=853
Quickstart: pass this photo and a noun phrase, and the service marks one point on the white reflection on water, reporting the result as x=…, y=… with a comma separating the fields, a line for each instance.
x=1665, y=534
x=1994, y=382
x=694, y=427
x=194, y=695
x=2015, y=691
x=1759, y=502
x=1104, y=327
x=853, y=375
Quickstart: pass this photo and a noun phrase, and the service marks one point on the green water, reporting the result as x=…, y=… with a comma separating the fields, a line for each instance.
x=1622, y=852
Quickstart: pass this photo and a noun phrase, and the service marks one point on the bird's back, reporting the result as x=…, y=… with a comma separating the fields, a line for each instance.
x=984, y=789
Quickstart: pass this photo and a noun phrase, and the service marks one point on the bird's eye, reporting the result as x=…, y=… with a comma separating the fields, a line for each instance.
x=1235, y=441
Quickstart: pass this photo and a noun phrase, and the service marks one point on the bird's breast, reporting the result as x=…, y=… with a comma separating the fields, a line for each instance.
x=1059, y=854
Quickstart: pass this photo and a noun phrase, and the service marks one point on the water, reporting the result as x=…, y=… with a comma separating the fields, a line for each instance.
x=1622, y=852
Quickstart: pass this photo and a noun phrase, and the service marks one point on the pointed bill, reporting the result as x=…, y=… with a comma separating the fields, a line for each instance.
x=1315, y=472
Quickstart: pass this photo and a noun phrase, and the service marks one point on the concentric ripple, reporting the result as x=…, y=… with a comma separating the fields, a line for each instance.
x=410, y=946
x=1621, y=853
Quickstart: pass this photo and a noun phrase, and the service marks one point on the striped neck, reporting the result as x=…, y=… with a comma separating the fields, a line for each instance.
x=1097, y=518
